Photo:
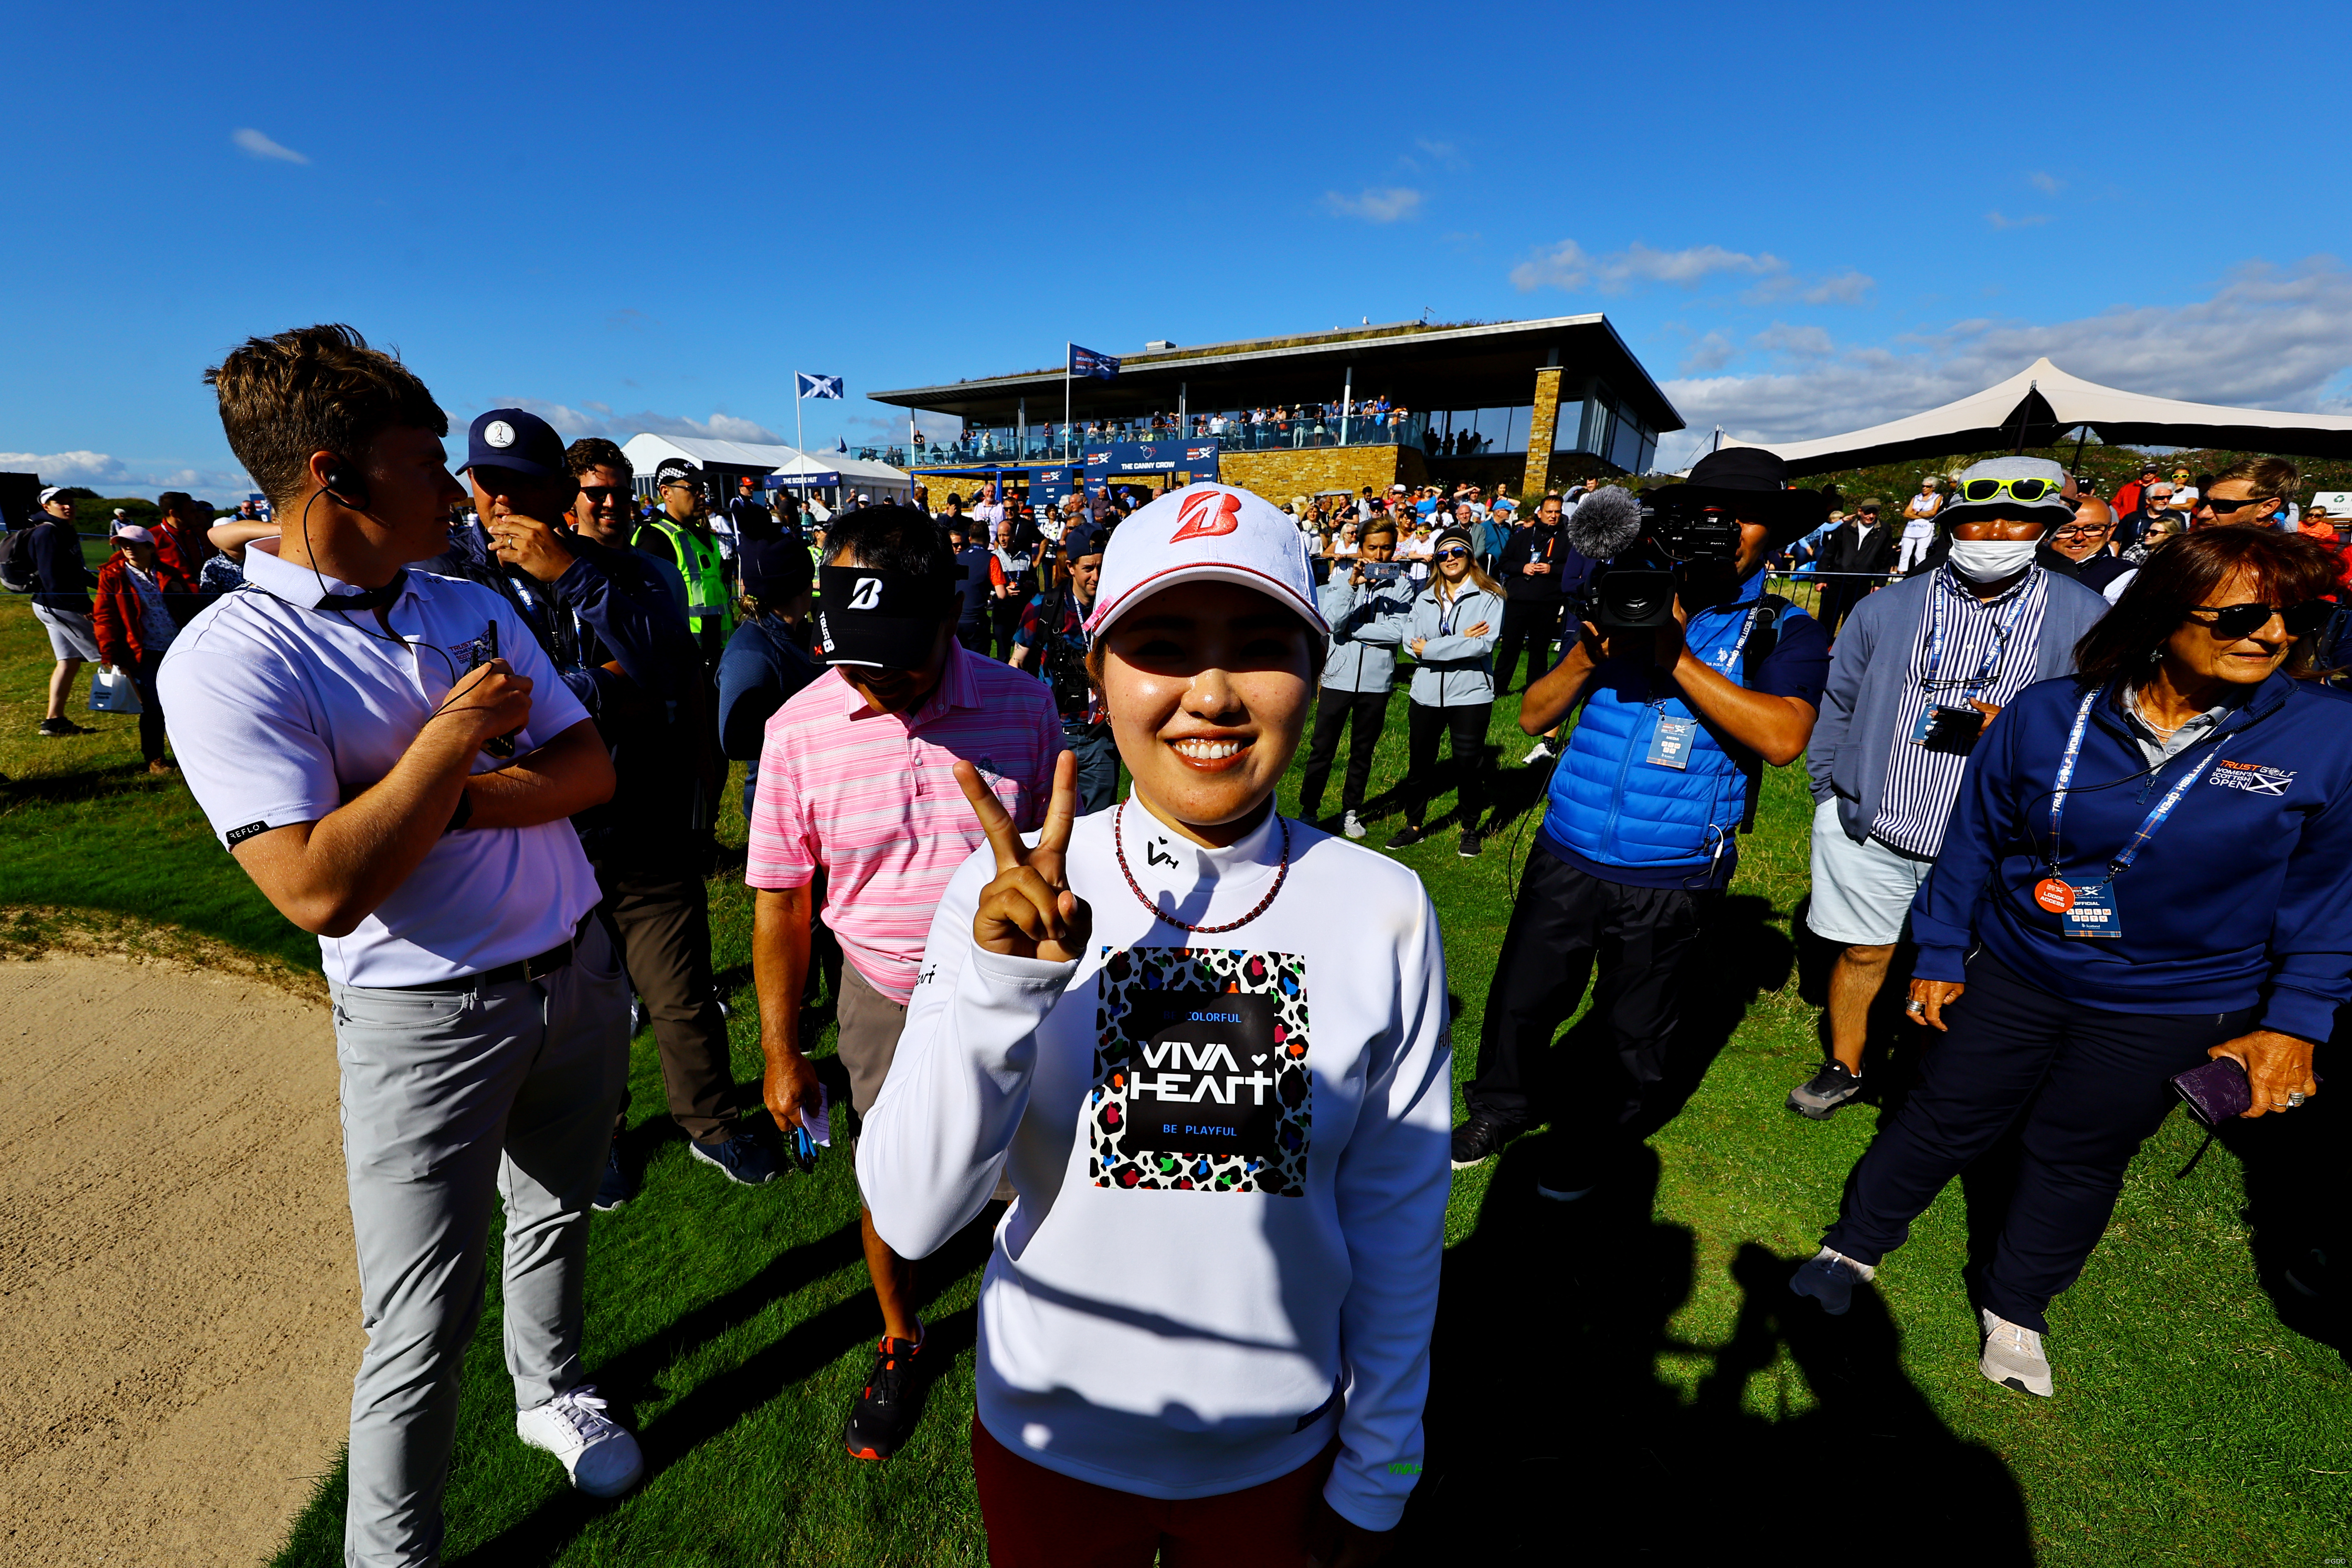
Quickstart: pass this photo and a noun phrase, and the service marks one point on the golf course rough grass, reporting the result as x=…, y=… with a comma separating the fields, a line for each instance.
x=1614, y=1381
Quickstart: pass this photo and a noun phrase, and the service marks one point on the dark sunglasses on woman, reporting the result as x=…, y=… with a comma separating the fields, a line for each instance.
x=1455, y=553
x=2231, y=622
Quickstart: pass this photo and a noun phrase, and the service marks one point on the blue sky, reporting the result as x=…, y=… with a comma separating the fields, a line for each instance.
x=1803, y=217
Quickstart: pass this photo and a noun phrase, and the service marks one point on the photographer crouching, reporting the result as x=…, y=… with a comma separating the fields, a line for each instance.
x=1689, y=678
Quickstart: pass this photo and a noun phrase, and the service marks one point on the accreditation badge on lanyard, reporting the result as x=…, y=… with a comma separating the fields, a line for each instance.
x=2088, y=909
x=1670, y=737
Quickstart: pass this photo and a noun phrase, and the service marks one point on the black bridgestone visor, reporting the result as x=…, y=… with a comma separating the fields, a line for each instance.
x=881, y=620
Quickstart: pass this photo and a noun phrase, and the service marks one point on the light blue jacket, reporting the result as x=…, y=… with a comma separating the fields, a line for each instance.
x=1367, y=626
x=1454, y=670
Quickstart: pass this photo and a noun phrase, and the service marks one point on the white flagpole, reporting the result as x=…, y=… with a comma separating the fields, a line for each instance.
x=796, y=412
x=1065, y=401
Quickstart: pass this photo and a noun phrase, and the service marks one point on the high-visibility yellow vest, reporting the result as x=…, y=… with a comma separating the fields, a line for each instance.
x=698, y=563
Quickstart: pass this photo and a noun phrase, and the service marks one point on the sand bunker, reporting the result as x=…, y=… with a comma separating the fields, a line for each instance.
x=179, y=1316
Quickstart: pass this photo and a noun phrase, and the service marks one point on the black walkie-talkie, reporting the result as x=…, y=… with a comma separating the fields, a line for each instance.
x=486, y=648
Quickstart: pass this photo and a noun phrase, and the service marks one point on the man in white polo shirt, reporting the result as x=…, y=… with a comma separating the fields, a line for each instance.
x=392, y=760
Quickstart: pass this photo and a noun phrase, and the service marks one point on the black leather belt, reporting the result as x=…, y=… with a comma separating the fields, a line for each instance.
x=536, y=967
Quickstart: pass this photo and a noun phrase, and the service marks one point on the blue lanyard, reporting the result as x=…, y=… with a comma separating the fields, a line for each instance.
x=2148, y=824
x=1723, y=661
x=1994, y=656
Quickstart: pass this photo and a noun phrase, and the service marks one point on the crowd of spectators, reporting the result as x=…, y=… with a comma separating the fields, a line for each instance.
x=901, y=683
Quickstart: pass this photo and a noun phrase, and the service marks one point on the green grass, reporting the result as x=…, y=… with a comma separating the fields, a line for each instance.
x=1614, y=1380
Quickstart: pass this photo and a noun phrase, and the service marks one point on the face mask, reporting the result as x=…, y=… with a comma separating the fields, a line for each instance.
x=1991, y=559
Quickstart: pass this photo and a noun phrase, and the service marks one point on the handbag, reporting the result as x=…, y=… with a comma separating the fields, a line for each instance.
x=112, y=691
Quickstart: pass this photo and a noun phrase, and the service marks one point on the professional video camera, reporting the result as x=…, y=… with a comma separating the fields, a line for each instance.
x=1675, y=538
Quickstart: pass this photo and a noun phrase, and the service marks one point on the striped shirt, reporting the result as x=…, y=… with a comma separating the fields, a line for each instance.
x=870, y=799
x=1987, y=655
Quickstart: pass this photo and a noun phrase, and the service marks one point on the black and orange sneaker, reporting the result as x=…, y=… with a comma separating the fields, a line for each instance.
x=883, y=1415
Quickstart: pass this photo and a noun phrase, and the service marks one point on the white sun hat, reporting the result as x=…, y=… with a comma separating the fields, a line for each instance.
x=1206, y=533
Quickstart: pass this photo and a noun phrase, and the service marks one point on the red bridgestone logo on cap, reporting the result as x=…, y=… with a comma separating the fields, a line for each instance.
x=1198, y=521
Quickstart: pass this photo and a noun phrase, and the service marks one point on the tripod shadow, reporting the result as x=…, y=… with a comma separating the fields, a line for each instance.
x=1552, y=1431
x=1747, y=955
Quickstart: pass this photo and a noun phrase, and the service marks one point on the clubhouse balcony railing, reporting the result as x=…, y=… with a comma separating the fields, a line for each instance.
x=1303, y=433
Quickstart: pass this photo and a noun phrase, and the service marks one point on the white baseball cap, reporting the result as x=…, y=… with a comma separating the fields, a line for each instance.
x=1205, y=533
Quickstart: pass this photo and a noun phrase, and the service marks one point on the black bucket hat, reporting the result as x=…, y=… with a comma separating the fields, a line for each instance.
x=1756, y=483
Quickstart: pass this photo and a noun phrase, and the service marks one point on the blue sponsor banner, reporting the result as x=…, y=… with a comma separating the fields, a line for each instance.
x=1196, y=459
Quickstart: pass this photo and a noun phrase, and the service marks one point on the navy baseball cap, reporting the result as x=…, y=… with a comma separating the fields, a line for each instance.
x=511, y=439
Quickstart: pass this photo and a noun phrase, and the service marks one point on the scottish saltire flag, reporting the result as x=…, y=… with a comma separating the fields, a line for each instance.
x=1085, y=361
x=805, y=386
x=841, y=444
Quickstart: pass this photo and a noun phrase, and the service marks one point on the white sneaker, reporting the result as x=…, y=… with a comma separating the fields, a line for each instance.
x=1541, y=753
x=1830, y=1277
x=2012, y=1356
x=1352, y=827
x=598, y=1453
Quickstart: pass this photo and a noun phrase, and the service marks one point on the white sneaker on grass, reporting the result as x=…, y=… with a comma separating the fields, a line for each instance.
x=1541, y=753
x=1352, y=827
x=597, y=1452
x=2012, y=1356
x=1830, y=1277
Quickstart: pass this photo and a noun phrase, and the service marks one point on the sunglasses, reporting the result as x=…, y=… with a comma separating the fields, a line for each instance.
x=598, y=494
x=1454, y=554
x=2231, y=622
x=2220, y=508
x=2083, y=528
x=1981, y=490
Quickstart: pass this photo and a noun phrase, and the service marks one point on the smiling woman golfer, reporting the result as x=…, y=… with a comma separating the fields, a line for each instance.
x=1209, y=1045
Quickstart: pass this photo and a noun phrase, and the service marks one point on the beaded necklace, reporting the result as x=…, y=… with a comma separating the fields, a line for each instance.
x=1281, y=874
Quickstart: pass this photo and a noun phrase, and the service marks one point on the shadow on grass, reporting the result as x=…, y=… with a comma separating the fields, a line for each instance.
x=2298, y=1193
x=1552, y=1432
x=79, y=784
x=1743, y=953
x=720, y=1402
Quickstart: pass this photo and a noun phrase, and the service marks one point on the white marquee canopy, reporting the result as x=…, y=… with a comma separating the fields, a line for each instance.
x=2041, y=404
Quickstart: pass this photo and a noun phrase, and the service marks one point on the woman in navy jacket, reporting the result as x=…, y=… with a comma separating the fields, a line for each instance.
x=2150, y=865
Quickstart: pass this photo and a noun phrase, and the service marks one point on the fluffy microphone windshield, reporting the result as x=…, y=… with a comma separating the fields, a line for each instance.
x=1608, y=520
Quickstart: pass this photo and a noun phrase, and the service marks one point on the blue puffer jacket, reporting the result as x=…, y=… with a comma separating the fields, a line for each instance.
x=1367, y=626
x=1612, y=807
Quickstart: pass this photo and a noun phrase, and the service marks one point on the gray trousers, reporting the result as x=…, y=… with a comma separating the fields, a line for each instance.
x=451, y=1100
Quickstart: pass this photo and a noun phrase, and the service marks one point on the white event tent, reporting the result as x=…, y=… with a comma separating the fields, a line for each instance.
x=834, y=476
x=2041, y=406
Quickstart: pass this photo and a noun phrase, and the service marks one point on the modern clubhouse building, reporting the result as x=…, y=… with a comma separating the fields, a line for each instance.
x=1524, y=404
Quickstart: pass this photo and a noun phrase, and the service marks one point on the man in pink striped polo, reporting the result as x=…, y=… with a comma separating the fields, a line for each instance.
x=855, y=782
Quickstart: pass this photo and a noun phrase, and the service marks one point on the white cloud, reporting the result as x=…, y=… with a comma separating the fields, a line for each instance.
x=1376, y=203
x=600, y=420
x=1711, y=352
x=262, y=146
x=1848, y=288
x=2048, y=185
x=110, y=475
x=92, y=468
x=2268, y=337
x=1810, y=342
x=2029, y=220
x=1568, y=265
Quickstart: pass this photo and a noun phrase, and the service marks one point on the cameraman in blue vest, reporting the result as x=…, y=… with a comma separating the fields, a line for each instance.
x=1674, y=725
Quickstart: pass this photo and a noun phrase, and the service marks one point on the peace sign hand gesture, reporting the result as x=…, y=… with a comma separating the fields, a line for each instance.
x=1028, y=911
